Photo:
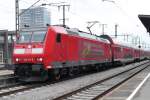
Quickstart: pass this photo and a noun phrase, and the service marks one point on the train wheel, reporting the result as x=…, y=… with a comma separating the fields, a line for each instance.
x=54, y=74
x=57, y=74
x=57, y=77
x=44, y=74
x=16, y=71
x=103, y=67
x=97, y=68
x=71, y=72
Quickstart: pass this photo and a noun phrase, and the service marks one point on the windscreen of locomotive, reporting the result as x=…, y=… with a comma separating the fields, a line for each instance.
x=26, y=37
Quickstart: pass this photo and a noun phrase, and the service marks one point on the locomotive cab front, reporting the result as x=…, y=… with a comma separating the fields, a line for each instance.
x=28, y=54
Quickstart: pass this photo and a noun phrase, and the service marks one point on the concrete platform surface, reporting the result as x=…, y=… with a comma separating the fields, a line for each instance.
x=144, y=92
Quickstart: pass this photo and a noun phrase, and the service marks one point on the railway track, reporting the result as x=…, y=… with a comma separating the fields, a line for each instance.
x=17, y=87
x=20, y=87
x=7, y=81
x=100, y=88
x=10, y=78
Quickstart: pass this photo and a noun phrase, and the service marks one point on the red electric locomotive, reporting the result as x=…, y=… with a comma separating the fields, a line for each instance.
x=51, y=52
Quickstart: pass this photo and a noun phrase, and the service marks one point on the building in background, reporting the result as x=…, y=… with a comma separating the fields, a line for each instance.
x=34, y=18
x=6, y=46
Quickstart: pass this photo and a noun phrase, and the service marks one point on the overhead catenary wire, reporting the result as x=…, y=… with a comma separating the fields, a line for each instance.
x=24, y=1
x=29, y=7
x=19, y=14
x=122, y=11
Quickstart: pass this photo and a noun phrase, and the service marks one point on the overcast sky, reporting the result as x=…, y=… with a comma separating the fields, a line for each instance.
x=122, y=12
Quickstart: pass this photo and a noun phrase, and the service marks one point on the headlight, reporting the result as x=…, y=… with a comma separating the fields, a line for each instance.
x=39, y=59
x=17, y=59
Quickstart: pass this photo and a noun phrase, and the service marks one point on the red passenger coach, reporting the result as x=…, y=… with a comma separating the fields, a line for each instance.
x=51, y=52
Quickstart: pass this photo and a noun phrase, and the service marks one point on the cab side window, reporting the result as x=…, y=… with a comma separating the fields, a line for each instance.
x=58, y=38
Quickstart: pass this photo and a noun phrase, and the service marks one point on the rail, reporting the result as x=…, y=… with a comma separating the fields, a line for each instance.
x=100, y=88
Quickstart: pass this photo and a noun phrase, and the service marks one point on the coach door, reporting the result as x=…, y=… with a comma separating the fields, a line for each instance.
x=61, y=47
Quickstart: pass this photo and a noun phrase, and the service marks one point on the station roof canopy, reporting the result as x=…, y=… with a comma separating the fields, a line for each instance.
x=145, y=19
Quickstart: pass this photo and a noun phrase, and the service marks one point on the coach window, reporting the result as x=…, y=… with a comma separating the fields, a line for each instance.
x=58, y=38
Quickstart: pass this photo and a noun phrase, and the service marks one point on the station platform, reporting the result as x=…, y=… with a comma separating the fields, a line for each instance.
x=137, y=88
x=144, y=90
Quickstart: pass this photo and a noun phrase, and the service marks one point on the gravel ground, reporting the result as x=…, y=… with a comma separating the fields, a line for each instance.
x=54, y=90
